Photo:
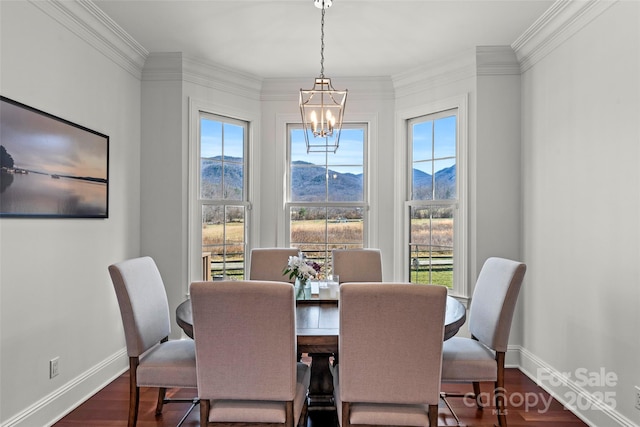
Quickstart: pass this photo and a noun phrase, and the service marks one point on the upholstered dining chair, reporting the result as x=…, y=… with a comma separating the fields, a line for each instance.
x=154, y=361
x=269, y=264
x=481, y=357
x=357, y=265
x=390, y=344
x=232, y=322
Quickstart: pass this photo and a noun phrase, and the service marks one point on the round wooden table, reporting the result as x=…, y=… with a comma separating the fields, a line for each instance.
x=320, y=319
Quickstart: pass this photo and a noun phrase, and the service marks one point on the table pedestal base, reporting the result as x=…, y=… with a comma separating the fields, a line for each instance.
x=321, y=386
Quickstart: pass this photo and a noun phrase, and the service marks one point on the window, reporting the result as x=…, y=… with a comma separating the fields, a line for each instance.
x=222, y=193
x=433, y=198
x=327, y=194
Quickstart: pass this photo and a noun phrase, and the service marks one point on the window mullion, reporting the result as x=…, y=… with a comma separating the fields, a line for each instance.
x=433, y=164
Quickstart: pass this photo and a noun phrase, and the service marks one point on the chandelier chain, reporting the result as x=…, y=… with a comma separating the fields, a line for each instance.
x=322, y=44
x=322, y=107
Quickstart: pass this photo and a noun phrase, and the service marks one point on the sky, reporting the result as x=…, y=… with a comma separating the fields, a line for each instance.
x=434, y=140
x=349, y=153
x=350, y=150
x=211, y=139
x=41, y=143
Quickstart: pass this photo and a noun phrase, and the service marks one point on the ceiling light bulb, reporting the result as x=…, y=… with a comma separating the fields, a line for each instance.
x=322, y=4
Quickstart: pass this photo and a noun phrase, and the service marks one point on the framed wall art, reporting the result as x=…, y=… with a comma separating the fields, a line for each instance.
x=50, y=167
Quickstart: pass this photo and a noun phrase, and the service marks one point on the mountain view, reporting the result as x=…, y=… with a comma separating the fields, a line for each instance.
x=308, y=184
x=309, y=181
x=211, y=170
x=445, y=184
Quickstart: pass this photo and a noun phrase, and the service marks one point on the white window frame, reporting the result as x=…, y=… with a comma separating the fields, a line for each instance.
x=194, y=238
x=461, y=287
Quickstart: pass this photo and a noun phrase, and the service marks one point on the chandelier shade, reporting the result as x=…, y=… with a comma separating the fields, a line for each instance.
x=322, y=107
x=322, y=110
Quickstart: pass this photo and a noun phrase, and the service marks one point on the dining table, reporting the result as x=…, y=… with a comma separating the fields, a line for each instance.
x=317, y=330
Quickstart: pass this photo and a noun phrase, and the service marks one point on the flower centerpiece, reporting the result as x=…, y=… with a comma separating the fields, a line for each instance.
x=303, y=271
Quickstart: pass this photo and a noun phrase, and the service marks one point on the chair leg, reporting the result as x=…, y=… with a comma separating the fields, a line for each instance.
x=476, y=392
x=134, y=392
x=499, y=392
x=433, y=415
x=162, y=391
x=289, y=417
x=134, y=399
x=205, y=407
x=134, y=395
x=304, y=415
x=346, y=414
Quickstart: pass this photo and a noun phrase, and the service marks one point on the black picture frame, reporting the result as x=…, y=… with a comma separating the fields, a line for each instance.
x=50, y=167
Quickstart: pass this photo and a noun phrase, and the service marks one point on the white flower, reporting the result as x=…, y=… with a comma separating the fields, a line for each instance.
x=298, y=267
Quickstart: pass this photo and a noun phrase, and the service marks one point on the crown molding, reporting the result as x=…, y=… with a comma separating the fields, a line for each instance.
x=359, y=88
x=163, y=66
x=177, y=66
x=561, y=21
x=496, y=61
x=435, y=74
x=91, y=24
x=221, y=78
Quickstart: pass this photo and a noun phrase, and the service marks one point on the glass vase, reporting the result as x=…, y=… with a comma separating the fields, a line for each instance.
x=302, y=288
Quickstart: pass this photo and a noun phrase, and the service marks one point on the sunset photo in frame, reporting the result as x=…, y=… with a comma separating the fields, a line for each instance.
x=50, y=167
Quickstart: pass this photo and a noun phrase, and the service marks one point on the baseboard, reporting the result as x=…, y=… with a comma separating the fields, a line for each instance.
x=60, y=402
x=512, y=358
x=591, y=409
x=69, y=396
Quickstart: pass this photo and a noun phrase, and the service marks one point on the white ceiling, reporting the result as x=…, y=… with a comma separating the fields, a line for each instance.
x=281, y=38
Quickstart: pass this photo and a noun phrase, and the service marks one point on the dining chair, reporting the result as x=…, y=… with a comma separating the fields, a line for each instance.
x=482, y=357
x=390, y=344
x=154, y=360
x=233, y=321
x=269, y=264
x=357, y=265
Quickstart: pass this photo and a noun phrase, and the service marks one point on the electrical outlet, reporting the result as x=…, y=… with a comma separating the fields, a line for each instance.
x=53, y=367
x=638, y=398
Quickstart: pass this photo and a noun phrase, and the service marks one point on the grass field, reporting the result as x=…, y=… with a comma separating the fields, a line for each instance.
x=309, y=235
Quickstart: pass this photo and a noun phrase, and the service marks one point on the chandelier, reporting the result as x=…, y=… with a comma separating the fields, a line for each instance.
x=322, y=108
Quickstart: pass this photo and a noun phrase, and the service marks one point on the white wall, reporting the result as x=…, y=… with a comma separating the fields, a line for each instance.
x=581, y=186
x=56, y=298
x=163, y=183
x=495, y=181
x=496, y=221
x=173, y=84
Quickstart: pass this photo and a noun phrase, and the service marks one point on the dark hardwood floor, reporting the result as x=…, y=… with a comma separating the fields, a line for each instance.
x=108, y=408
